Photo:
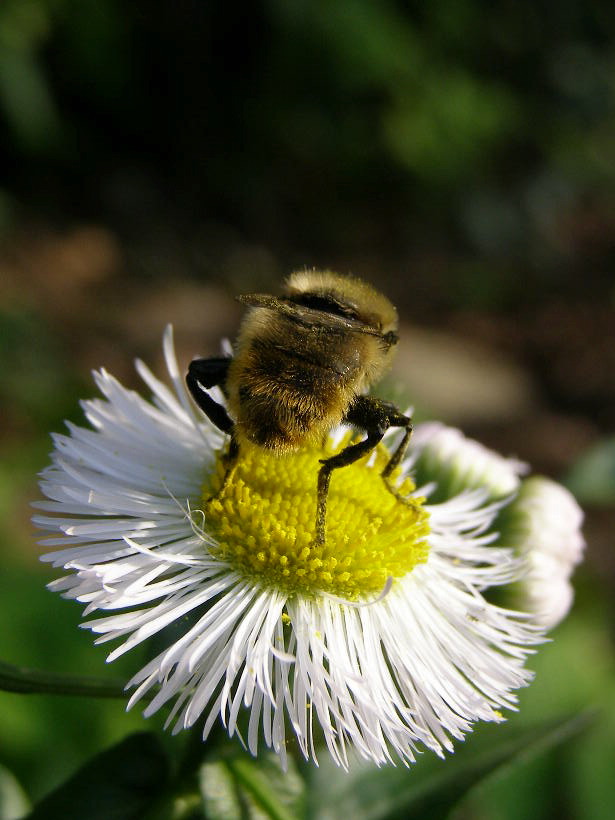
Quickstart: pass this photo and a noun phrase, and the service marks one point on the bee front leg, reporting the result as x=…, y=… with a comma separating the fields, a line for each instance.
x=202, y=375
x=207, y=373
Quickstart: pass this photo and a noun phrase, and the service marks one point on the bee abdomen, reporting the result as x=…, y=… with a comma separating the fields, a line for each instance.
x=280, y=417
x=284, y=397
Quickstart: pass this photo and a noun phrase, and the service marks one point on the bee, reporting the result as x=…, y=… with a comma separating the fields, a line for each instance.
x=303, y=363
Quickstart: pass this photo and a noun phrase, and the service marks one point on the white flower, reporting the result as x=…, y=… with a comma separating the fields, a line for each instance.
x=543, y=523
x=381, y=641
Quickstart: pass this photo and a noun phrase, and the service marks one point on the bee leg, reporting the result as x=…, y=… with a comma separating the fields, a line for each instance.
x=366, y=411
x=347, y=456
x=206, y=373
x=229, y=460
x=374, y=417
x=397, y=419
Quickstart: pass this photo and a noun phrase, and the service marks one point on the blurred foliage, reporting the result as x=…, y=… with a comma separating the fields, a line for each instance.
x=592, y=478
x=30, y=110
x=478, y=131
x=36, y=391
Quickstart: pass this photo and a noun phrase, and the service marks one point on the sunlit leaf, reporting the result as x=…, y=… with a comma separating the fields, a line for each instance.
x=251, y=788
x=433, y=787
x=13, y=801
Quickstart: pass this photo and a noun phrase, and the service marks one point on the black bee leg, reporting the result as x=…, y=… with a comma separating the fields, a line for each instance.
x=396, y=419
x=347, y=456
x=229, y=460
x=206, y=373
x=203, y=374
x=375, y=417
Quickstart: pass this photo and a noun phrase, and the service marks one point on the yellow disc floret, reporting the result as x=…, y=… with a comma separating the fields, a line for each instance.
x=262, y=520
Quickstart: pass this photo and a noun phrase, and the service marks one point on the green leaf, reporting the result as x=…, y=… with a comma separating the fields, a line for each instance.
x=13, y=800
x=121, y=783
x=34, y=681
x=432, y=787
x=253, y=789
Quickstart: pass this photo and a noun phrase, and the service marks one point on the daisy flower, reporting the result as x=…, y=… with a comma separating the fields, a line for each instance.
x=381, y=642
x=544, y=525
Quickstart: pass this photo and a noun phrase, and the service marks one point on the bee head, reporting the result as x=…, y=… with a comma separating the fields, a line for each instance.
x=325, y=298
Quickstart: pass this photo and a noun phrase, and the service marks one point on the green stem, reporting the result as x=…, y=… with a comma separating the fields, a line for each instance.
x=34, y=681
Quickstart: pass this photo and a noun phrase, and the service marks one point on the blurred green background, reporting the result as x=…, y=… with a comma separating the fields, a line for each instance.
x=158, y=157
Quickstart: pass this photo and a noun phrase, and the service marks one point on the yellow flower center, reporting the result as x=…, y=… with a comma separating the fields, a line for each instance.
x=263, y=520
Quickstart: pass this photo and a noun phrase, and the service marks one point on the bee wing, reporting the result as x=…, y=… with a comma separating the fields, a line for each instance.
x=305, y=315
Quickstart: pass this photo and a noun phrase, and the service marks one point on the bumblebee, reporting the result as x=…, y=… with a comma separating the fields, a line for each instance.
x=303, y=363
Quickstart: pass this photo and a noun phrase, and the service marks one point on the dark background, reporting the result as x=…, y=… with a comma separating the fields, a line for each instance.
x=159, y=157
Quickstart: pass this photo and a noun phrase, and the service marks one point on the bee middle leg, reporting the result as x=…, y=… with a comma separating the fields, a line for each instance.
x=375, y=417
x=367, y=411
x=397, y=419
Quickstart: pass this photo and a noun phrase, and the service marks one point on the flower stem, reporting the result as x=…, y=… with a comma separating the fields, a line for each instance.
x=34, y=681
